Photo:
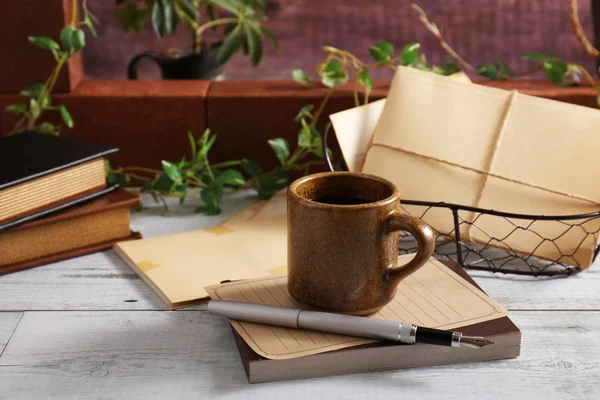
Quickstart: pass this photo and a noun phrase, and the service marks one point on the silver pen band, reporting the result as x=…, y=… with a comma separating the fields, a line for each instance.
x=407, y=333
x=456, y=336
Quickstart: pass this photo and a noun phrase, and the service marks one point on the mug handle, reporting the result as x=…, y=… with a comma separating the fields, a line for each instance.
x=132, y=67
x=422, y=234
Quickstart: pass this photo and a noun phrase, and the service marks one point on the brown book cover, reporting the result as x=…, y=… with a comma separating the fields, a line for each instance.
x=89, y=227
x=385, y=355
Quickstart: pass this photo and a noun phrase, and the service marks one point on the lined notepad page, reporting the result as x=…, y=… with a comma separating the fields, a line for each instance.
x=434, y=297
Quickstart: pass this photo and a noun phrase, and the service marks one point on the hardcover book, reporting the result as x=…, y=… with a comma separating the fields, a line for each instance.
x=41, y=173
x=92, y=226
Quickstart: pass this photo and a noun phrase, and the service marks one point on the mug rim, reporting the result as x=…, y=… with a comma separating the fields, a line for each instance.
x=292, y=191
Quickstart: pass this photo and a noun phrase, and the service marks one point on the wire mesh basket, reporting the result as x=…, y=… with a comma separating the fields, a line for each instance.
x=493, y=252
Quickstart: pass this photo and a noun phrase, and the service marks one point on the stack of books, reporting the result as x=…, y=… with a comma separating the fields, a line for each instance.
x=55, y=202
x=244, y=259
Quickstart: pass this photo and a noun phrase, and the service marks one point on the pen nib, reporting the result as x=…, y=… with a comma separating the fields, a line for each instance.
x=474, y=342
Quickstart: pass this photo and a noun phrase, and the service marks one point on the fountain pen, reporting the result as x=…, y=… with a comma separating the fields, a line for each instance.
x=342, y=324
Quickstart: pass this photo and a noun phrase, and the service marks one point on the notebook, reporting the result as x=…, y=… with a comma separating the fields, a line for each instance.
x=366, y=355
x=42, y=173
x=92, y=226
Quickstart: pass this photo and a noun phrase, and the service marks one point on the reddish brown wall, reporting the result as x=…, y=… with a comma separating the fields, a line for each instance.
x=480, y=30
x=21, y=63
x=149, y=120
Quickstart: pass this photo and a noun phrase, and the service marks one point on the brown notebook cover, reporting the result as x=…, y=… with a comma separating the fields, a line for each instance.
x=385, y=355
x=120, y=199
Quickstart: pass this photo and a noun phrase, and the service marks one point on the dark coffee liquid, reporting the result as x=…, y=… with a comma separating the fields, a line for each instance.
x=342, y=200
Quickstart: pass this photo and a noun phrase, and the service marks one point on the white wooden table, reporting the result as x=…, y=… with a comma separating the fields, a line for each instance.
x=88, y=328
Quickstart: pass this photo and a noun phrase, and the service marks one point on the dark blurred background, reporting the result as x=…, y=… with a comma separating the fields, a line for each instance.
x=479, y=30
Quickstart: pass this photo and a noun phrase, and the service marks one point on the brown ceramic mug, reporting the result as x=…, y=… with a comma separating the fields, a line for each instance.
x=343, y=242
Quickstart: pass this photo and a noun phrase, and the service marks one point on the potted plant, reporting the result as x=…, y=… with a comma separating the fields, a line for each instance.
x=242, y=27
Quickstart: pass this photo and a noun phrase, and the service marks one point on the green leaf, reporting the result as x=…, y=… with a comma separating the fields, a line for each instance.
x=78, y=40
x=333, y=80
x=496, y=71
x=333, y=67
x=169, y=16
x=317, y=145
x=211, y=195
x=504, y=70
x=163, y=183
x=232, y=177
x=381, y=51
x=305, y=136
x=33, y=91
x=281, y=148
x=190, y=10
x=268, y=33
x=251, y=167
x=34, y=108
x=488, y=70
x=172, y=172
x=16, y=108
x=117, y=178
x=365, y=80
x=301, y=77
x=421, y=63
x=409, y=53
x=226, y=5
x=271, y=182
x=192, y=140
x=158, y=19
x=304, y=112
x=87, y=21
x=44, y=42
x=66, y=116
x=47, y=127
x=333, y=74
x=255, y=47
x=66, y=38
x=230, y=45
x=449, y=68
x=556, y=72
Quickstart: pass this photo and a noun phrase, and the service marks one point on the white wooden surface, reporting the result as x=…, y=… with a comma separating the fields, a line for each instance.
x=89, y=328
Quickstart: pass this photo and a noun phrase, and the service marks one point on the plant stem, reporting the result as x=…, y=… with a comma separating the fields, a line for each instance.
x=322, y=106
x=74, y=16
x=201, y=29
x=225, y=164
x=356, y=102
x=140, y=169
x=433, y=28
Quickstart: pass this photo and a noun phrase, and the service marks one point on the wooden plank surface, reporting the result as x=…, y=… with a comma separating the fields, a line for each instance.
x=103, y=281
x=8, y=323
x=191, y=354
